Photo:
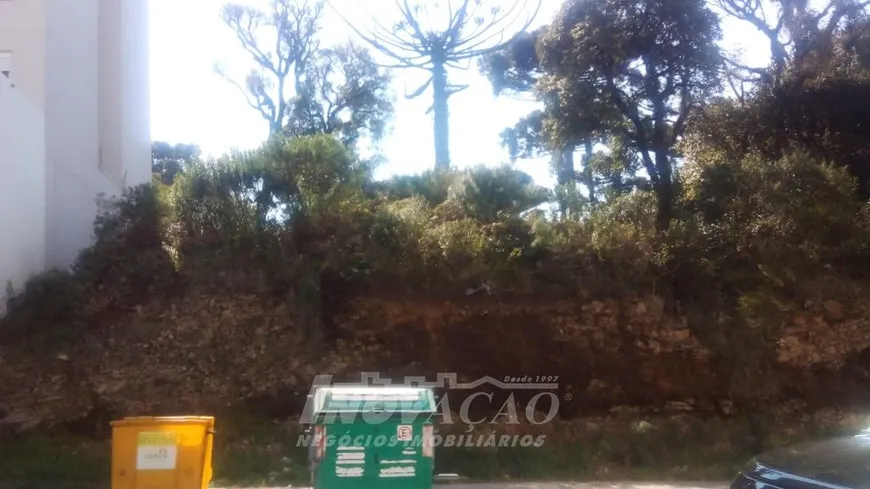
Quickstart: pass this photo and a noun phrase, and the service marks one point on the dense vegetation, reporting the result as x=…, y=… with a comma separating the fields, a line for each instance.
x=730, y=206
x=734, y=205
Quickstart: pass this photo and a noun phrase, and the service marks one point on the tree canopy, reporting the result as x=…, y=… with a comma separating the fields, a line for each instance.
x=734, y=197
x=616, y=68
x=436, y=36
x=300, y=87
x=168, y=160
x=723, y=187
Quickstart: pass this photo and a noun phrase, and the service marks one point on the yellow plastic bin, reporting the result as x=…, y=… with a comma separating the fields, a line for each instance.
x=162, y=452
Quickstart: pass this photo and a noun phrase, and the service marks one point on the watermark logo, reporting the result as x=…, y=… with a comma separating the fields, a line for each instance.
x=540, y=405
x=493, y=440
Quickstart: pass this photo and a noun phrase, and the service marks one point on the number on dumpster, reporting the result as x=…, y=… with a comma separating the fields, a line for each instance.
x=404, y=433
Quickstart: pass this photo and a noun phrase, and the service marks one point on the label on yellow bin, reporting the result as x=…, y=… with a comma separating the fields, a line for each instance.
x=157, y=451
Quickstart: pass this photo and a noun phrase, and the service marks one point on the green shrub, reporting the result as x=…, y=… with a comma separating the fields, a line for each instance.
x=301, y=219
x=129, y=255
x=432, y=186
x=492, y=194
x=755, y=240
x=795, y=213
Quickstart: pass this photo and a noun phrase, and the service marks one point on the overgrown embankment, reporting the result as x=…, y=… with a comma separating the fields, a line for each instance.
x=230, y=289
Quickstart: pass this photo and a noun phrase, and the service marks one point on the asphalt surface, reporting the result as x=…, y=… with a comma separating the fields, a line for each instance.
x=577, y=485
x=590, y=485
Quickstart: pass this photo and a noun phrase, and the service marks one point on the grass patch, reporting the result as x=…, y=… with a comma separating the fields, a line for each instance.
x=59, y=461
x=253, y=451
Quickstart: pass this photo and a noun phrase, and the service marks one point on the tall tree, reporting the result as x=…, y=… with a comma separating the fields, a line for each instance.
x=802, y=39
x=653, y=61
x=299, y=87
x=343, y=93
x=812, y=95
x=572, y=118
x=469, y=29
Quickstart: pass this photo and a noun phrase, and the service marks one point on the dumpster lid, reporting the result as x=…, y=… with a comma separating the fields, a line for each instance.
x=155, y=420
x=374, y=398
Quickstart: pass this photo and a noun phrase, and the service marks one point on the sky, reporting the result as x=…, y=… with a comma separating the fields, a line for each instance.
x=191, y=103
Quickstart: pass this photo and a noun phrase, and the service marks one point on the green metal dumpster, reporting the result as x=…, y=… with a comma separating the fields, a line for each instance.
x=372, y=437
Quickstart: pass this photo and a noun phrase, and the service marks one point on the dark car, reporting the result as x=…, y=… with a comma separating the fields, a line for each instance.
x=833, y=464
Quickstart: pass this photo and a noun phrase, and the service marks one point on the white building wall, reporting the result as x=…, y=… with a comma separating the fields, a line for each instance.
x=84, y=64
x=22, y=190
x=22, y=32
x=135, y=92
x=73, y=176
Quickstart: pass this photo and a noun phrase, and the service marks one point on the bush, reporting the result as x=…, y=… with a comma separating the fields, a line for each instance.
x=432, y=186
x=127, y=264
x=493, y=194
x=302, y=221
x=794, y=212
x=129, y=258
x=755, y=240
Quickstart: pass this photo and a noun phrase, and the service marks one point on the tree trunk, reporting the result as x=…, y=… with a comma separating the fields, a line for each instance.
x=664, y=190
x=565, y=173
x=563, y=159
x=439, y=109
x=588, y=179
x=664, y=186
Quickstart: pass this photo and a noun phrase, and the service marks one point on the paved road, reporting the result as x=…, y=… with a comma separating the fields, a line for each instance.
x=582, y=485
x=590, y=485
